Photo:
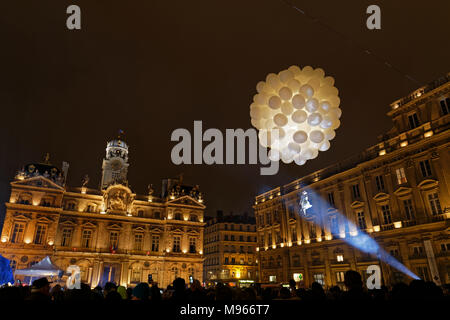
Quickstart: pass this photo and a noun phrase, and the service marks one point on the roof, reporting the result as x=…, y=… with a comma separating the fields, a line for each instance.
x=43, y=268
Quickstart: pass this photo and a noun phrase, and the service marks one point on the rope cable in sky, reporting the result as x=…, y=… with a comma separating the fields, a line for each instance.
x=354, y=43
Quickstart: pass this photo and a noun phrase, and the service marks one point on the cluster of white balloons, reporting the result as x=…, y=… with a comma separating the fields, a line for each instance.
x=296, y=113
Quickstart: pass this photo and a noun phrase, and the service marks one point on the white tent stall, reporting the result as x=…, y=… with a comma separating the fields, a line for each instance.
x=44, y=268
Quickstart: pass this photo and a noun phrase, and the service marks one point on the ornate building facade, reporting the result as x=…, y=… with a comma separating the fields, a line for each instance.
x=111, y=233
x=397, y=191
x=230, y=250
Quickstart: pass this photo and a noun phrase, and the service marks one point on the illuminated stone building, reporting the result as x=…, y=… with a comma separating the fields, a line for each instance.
x=111, y=233
x=230, y=250
x=396, y=191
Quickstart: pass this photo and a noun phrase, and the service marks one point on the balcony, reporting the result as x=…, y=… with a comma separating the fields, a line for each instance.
x=421, y=255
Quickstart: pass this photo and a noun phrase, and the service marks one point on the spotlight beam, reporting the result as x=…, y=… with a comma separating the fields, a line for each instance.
x=361, y=241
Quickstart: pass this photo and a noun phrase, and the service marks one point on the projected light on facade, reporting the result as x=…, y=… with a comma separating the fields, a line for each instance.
x=358, y=239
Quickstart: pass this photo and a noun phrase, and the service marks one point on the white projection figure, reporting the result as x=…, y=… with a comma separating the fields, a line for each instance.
x=304, y=203
x=74, y=280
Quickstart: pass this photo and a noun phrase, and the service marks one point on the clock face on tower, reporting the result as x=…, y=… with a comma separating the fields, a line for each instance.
x=116, y=165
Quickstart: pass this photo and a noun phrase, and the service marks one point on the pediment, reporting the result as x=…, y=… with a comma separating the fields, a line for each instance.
x=88, y=224
x=428, y=184
x=38, y=181
x=114, y=226
x=381, y=196
x=402, y=191
x=68, y=223
x=138, y=229
x=21, y=216
x=177, y=230
x=156, y=230
x=187, y=200
x=44, y=219
x=193, y=231
x=357, y=204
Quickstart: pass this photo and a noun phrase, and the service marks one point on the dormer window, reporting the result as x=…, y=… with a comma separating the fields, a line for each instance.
x=413, y=120
x=445, y=106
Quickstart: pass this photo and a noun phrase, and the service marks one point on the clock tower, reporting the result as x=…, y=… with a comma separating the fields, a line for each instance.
x=115, y=165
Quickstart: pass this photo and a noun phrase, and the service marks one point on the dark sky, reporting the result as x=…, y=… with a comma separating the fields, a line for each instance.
x=150, y=67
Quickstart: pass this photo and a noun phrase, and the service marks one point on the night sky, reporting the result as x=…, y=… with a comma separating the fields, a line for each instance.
x=149, y=67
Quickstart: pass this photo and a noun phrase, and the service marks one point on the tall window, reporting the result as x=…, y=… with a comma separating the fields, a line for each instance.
x=269, y=218
x=331, y=199
x=192, y=245
x=176, y=244
x=361, y=220
x=380, y=183
x=140, y=213
x=13, y=265
x=291, y=211
x=17, y=234
x=334, y=227
x=340, y=276
x=39, y=236
x=409, y=209
x=422, y=272
x=86, y=237
x=386, y=214
x=435, y=204
x=155, y=243
x=138, y=241
x=401, y=177
x=425, y=168
x=113, y=239
x=66, y=237
x=312, y=231
x=445, y=106
x=294, y=234
x=136, y=275
x=178, y=216
x=270, y=238
x=355, y=191
x=320, y=278
x=413, y=120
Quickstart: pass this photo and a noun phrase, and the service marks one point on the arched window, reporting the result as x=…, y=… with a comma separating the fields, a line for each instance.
x=140, y=213
x=136, y=274
x=13, y=265
x=157, y=215
x=193, y=217
x=178, y=216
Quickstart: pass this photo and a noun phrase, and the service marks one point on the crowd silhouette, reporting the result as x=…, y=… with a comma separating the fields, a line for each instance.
x=179, y=292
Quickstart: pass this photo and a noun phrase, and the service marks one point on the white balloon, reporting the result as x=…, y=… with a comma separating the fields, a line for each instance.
x=287, y=108
x=299, y=116
x=295, y=70
x=260, y=86
x=294, y=147
x=316, y=136
x=330, y=134
x=314, y=119
x=312, y=105
x=300, y=136
x=274, y=102
x=324, y=146
x=286, y=75
x=299, y=160
x=294, y=85
x=265, y=113
x=306, y=90
x=324, y=107
x=285, y=93
x=298, y=101
x=327, y=122
x=273, y=81
x=280, y=120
